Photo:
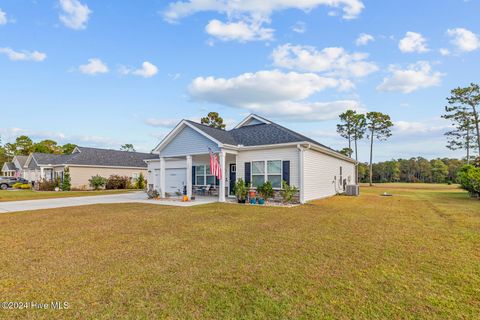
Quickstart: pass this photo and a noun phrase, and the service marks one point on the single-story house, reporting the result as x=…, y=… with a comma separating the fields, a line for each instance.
x=83, y=163
x=15, y=168
x=256, y=150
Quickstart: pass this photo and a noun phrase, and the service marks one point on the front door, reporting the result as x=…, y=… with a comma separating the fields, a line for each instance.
x=232, y=178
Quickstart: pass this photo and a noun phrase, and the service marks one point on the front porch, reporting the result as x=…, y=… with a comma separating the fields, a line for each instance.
x=191, y=175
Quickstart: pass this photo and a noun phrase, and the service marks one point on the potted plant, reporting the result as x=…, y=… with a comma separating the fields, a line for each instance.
x=266, y=192
x=241, y=191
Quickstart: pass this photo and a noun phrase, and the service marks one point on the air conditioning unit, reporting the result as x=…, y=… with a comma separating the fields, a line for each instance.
x=353, y=190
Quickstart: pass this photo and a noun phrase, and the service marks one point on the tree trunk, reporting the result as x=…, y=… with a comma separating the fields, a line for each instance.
x=371, y=157
x=356, y=162
x=468, y=143
x=349, y=146
x=477, y=126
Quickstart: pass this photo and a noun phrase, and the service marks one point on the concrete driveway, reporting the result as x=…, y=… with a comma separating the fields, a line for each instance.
x=133, y=197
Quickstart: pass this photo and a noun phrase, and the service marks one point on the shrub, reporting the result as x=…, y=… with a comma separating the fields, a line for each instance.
x=469, y=179
x=117, y=182
x=48, y=185
x=288, y=192
x=241, y=189
x=140, y=182
x=97, y=182
x=67, y=180
x=265, y=190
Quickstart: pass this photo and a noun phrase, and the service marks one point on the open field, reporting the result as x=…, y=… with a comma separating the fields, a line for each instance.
x=17, y=195
x=413, y=255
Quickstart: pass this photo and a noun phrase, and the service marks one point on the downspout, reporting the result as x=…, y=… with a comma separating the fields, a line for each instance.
x=301, y=175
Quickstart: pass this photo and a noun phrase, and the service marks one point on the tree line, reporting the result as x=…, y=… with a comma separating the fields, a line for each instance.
x=444, y=170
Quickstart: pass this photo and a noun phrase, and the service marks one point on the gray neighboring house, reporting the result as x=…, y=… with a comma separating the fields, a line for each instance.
x=84, y=163
x=256, y=150
x=15, y=168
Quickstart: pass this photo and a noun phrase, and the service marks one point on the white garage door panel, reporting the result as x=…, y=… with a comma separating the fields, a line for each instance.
x=175, y=179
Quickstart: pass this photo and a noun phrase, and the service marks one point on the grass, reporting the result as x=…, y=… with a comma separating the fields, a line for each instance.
x=415, y=255
x=16, y=195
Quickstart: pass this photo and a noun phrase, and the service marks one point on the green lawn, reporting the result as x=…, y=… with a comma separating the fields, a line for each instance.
x=415, y=255
x=16, y=195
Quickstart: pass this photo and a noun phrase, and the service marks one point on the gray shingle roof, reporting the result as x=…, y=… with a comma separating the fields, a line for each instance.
x=255, y=135
x=21, y=160
x=96, y=157
x=10, y=166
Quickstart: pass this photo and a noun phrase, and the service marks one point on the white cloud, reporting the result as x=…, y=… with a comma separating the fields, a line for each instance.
x=177, y=10
x=147, y=70
x=299, y=27
x=363, y=39
x=432, y=126
x=23, y=55
x=3, y=17
x=246, y=18
x=273, y=93
x=334, y=61
x=413, y=42
x=241, y=31
x=465, y=40
x=416, y=76
x=94, y=66
x=444, y=52
x=162, y=123
x=75, y=14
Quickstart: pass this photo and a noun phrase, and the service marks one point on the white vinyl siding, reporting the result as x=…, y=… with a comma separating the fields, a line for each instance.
x=283, y=154
x=322, y=174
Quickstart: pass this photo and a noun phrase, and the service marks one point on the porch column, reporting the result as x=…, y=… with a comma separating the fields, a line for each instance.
x=162, y=177
x=189, y=177
x=221, y=191
x=41, y=173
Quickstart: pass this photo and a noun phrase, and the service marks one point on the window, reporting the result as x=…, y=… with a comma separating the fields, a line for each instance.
x=135, y=175
x=267, y=171
x=274, y=172
x=203, y=175
x=258, y=173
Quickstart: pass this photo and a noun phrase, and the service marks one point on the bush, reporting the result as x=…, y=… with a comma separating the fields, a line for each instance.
x=241, y=190
x=115, y=182
x=48, y=185
x=288, y=192
x=97, y=182
x=469, y=179
x=265, y=190
x=140, y=182
x=67, y=180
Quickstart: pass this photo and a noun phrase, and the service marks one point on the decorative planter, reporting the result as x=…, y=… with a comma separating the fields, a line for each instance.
x=185, y=198
x=253, y=201
x=261, y=201
x=252, y=193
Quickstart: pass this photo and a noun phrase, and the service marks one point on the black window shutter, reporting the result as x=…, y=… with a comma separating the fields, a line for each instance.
x=247, y=172
x=286, y=171
x=193, y=176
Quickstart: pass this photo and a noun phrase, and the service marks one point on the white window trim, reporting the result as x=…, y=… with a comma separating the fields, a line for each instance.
x=265, y=174
x=205, y=175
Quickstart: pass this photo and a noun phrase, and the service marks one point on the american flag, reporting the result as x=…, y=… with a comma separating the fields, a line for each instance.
x=215, y=165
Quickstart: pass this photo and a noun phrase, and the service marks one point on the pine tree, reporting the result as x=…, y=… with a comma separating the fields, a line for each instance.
x=213, y=120
x=67, y=180
x=379, y=127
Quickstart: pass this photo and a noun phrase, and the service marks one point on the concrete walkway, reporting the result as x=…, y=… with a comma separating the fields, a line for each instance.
x=133, y=197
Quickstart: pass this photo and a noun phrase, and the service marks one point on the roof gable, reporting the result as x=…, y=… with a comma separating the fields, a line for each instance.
x=252, y=119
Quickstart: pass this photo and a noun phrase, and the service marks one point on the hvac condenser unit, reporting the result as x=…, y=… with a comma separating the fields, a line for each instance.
x=353, y=190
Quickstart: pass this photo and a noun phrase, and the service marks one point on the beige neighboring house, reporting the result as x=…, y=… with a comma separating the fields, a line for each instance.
x=84, y=163
x=15, y=168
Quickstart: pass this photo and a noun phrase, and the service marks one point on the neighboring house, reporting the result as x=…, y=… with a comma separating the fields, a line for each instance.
x=256, y=150
x=15, y=168
x=84, y=163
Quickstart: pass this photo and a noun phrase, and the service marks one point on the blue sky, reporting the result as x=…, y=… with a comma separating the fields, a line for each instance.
x=104, y=73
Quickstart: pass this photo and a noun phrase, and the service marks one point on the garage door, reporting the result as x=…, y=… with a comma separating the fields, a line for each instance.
x=175, y=179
